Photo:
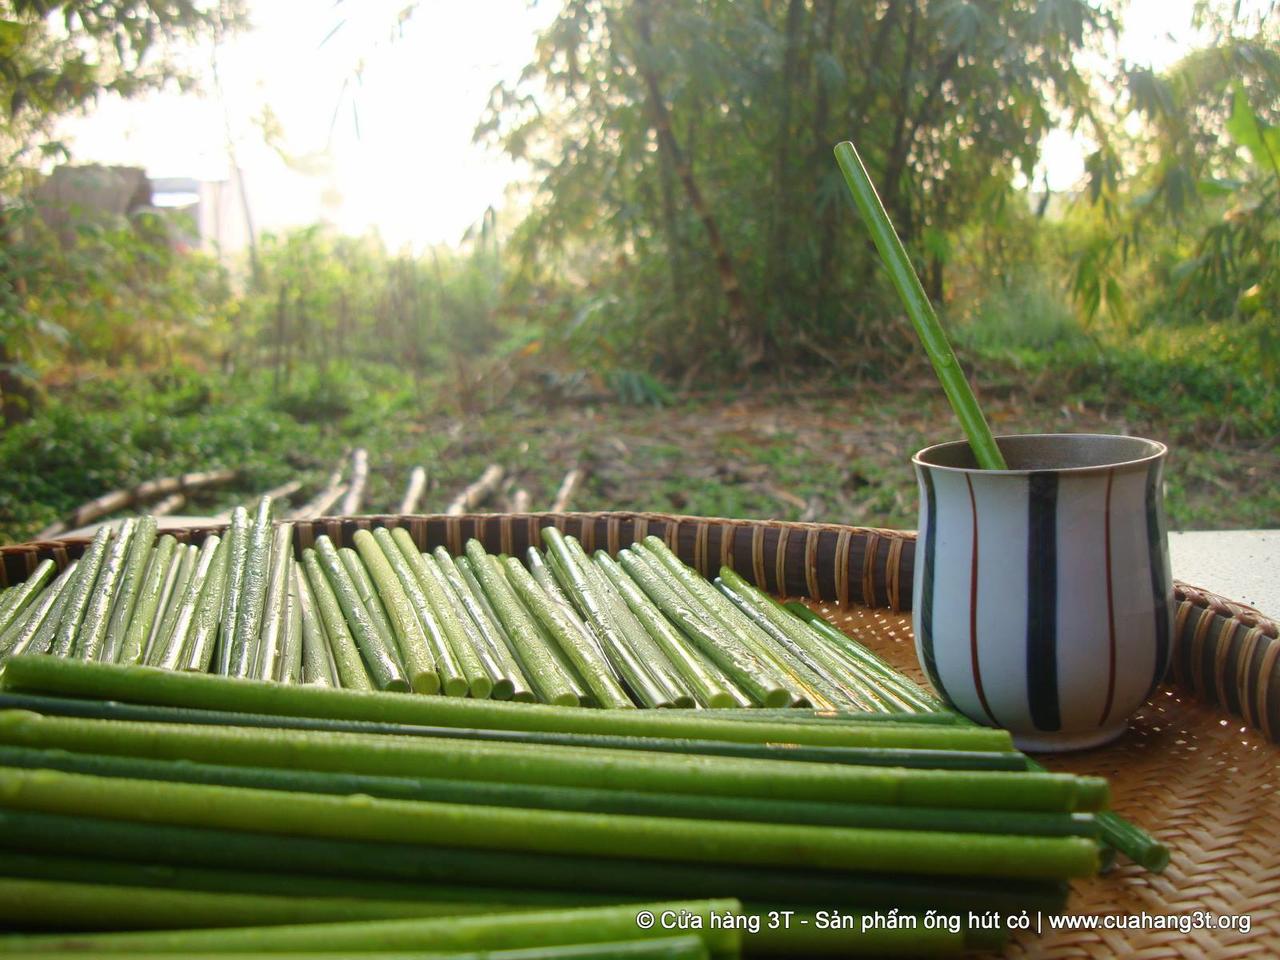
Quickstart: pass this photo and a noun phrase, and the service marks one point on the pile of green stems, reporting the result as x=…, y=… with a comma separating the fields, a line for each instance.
x=397, y=832
x=563, y=628
x=557, y=627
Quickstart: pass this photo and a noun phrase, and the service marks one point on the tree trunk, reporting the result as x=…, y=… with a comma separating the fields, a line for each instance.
x=742, y=337
x=857, y=118
x=17, y=397
x=897, y=157
x=776, y=273
x=671, y=224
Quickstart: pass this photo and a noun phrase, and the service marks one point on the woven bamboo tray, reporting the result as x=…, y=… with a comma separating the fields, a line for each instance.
x=1198, y=767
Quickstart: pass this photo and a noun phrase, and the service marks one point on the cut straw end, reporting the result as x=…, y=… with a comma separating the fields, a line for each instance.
x=919, y=309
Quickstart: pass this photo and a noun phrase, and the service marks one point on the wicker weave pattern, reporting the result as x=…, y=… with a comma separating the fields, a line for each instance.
x=1205, y=785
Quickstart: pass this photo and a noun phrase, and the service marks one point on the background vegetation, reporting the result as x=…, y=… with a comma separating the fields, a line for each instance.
x=689, y=307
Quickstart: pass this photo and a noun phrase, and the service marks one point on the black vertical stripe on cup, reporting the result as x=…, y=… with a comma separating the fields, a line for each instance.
x=929, y=663
x=1042, y=601
x=1159, y=575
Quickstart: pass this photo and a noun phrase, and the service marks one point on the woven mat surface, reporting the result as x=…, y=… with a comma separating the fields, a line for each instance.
x=1200, y=781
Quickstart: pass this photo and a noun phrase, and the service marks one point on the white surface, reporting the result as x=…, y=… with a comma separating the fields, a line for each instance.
x=1240, y=565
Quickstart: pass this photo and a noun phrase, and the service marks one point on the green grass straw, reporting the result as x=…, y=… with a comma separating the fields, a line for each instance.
x=916, y=302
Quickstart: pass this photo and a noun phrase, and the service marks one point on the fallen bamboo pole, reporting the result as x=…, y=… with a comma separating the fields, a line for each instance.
x=359, y=478
x=170, y=504
x=477, y=492
x=413, y=493
x=326, y=498
x=568, y=487
x=86, y=513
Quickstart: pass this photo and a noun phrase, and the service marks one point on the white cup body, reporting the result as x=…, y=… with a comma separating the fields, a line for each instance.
x=1042, y=599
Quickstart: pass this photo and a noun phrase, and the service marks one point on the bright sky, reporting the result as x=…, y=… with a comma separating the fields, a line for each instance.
x=410, y=171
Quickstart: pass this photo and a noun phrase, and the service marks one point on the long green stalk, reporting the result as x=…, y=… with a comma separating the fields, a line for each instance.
x=583, y=692
x=708, y=682
x=638, y=641
x=40, y=618
x=807, y=684
x=373, y=603
x=428, y=671
x=291, y=643
x=1120, y=834
x=550, y=831
x=203, y=635
x=14, y=629
x=464, y=638
x=237, y=555
x=186, y=558
x=131, y=581
x=170, y=651
x=583, y=633
x=625, y=878
x=571, y=637
x=558, y=765
x=97, y=615
x=580, y=799
x=1126, y=837
x=787, y=752
x=150, y=595
x=143, y=685
x=276, y=883
x=549, y=679
x=483, y=630
x=318, y=665
x=919, y=309
x=437, y=649
x=243, y=650
x=348, y=664
x=760, y=679
x=18, y=598
x=650, y=682
x=665, y=948
x=867, y=660
x=375, y=647
x=70, y=905
x=490, y=623
x=546, y=579
x=801, y=716
x=81, y=591
x=484, y=672
x=527, y=929
x=266, y=664
x=786, y=631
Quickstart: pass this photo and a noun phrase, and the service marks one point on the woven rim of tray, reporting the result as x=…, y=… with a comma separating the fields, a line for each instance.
x=1208, y=786
x=1224, y=653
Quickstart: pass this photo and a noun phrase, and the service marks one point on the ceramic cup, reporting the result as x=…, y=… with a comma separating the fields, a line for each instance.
x=1042, y=597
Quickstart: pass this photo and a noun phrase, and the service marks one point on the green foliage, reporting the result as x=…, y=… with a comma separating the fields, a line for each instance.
x=59, y=56
x=683, y=157
x=1020, y=320
x=1196, y=225
x=120, y=294
x=118, y=431
x=319, y=298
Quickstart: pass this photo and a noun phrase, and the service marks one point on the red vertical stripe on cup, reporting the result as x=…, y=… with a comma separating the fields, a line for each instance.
x=973, y=608
x=1111, y=609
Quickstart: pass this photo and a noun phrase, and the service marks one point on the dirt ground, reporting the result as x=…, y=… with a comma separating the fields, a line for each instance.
x=828, y=455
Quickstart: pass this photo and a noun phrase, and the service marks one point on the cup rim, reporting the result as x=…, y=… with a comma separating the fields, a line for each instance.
x=1158, y=451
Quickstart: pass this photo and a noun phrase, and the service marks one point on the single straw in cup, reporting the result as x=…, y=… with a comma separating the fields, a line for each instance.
x=919, y=309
